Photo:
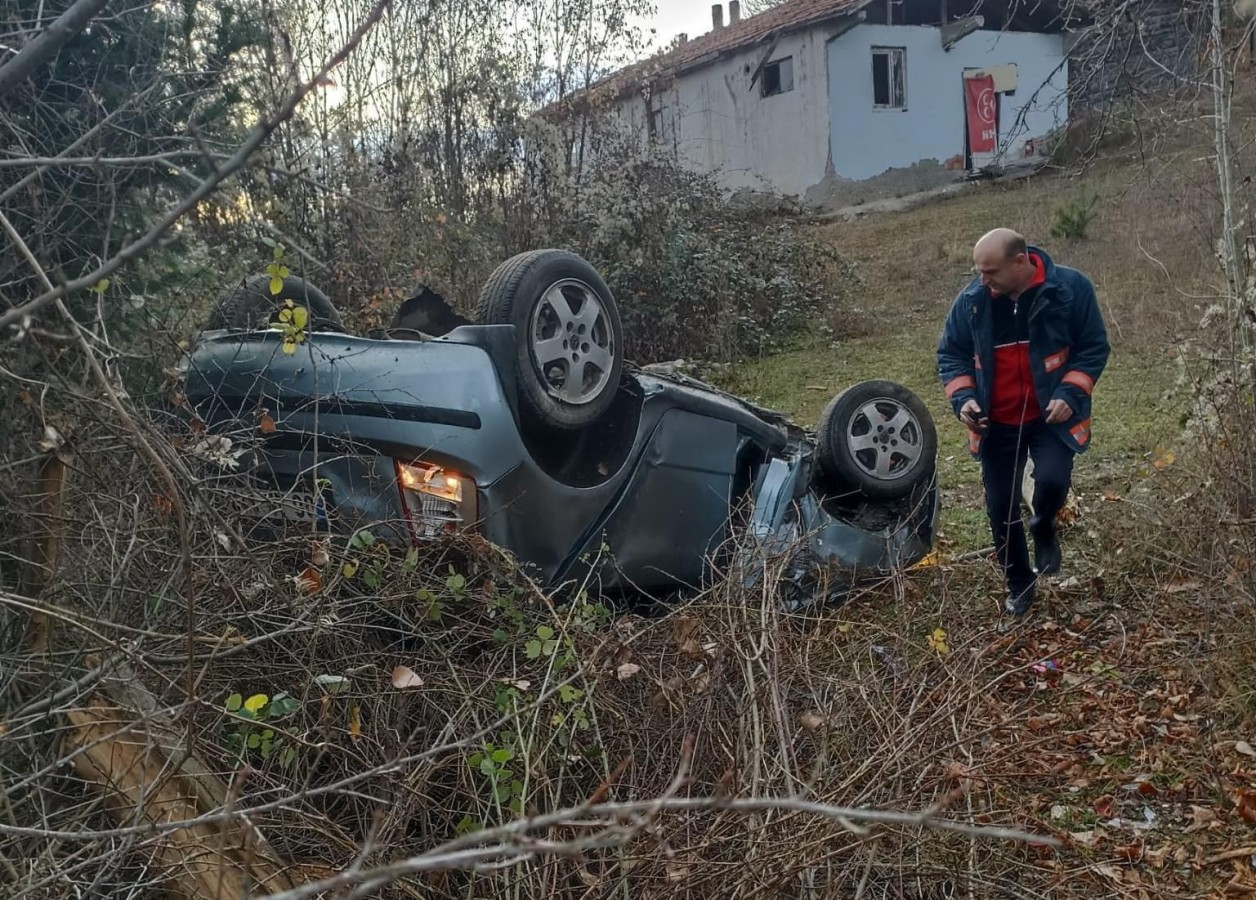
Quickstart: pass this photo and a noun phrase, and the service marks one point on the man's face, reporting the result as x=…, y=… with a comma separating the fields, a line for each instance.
x=1001, y=273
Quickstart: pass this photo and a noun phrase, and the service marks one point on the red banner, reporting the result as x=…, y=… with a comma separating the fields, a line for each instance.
x=981, y=104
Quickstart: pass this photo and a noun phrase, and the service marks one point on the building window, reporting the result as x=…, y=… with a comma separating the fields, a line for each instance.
x=778, y=76
x=889, y=77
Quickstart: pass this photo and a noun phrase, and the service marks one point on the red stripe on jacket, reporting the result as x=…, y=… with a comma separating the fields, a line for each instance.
x=1013, y=401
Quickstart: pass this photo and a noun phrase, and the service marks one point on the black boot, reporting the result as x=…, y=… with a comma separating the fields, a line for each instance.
x=1019, y=599
x=1046, y=545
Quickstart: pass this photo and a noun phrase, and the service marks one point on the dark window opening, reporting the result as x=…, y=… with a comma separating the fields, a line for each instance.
x=778, y=76
x=889, y=77
x=654, y=118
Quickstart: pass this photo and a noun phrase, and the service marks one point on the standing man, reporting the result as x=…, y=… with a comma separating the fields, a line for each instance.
x=1020, y=353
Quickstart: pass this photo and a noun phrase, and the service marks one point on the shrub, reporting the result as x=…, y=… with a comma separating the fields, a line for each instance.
x=696, y=275
x=1074, y=217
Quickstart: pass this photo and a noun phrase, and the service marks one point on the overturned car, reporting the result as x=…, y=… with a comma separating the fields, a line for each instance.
x=529, y=427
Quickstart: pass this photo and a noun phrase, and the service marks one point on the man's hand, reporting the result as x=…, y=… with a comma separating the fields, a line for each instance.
x=1058, y=411
x=970, y=414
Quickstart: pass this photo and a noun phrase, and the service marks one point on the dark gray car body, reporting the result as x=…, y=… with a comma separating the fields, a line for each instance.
x=643, y=501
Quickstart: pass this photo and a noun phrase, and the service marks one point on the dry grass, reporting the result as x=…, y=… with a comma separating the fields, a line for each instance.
x=858, y=706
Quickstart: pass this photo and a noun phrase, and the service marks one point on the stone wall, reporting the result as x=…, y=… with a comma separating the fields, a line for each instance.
x=1152, y=47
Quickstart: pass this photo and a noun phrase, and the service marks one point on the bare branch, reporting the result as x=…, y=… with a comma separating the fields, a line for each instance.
x=237, y=161
x=506, y=843
x=43, y=47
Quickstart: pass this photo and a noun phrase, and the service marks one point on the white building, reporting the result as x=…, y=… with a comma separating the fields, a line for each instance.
x=840, y=101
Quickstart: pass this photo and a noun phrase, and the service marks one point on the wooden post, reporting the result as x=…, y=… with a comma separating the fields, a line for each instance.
x=147, y=776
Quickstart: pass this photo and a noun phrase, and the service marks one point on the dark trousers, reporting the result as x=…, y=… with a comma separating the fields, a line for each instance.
x=1004, y=451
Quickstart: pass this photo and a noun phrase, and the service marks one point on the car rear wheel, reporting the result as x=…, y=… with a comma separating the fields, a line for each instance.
x=568, y=336
x=250, y=305
x=877, y=437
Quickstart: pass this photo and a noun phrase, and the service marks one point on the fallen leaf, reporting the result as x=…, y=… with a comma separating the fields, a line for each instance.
x=937, y=642
x=1111, y=497
x=626, y=671
x=1163, y=459
x=405, y=678
x=52, y=440
x=683, y=628
x=1130, y=853
x=310, y=580
x=267, y=424
x=1245, y=748
x=1103, y=806
x=355, y=722
x=690, y=647
x=812, y=721
x=1201, y=817
x=1245, y=805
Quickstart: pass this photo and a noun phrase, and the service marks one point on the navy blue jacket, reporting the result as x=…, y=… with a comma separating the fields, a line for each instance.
x=1068, y=349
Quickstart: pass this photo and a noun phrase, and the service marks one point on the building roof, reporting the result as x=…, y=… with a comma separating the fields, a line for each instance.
x=783, y=18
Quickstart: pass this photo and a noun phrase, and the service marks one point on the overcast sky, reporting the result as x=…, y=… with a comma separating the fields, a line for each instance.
x=693, y=17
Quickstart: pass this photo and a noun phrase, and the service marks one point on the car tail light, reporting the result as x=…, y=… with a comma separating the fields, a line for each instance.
x=436, y=501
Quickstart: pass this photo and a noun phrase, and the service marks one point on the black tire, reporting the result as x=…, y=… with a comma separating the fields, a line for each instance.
x=877, y=437
x=520, y=293
x=250, y=305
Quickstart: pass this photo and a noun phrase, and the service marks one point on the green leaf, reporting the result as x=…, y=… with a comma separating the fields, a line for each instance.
x=284, y=271
x=505, y=754
x=349, y=569
x=255, y=741
x=245, y=713
x=282, y=705
x=570, y=694
x=371, y=578
x=266, y=748
x=475, y=759
x=544, y=632
x=456, y=583
x=101, y=286
x=276, y=284
x=487, y=766
x=268, y=735
x=411, y=561
x=361, y=540
x=467, y=825
x=269, y=242
x=234, y=702
x=532, y=649
x=287, y=756
x=500, y=637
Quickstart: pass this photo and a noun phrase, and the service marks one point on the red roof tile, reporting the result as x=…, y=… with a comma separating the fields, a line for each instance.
x=780, y=19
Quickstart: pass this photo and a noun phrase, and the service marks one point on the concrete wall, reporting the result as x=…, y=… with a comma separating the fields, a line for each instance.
x=713, y=120
x=895, y=151
x=823, y=141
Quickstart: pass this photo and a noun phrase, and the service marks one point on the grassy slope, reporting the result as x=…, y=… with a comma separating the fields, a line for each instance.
x=914, y=262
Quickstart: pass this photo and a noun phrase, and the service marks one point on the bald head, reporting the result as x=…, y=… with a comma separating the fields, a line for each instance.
x=1002, y=260
x=1004, y=241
